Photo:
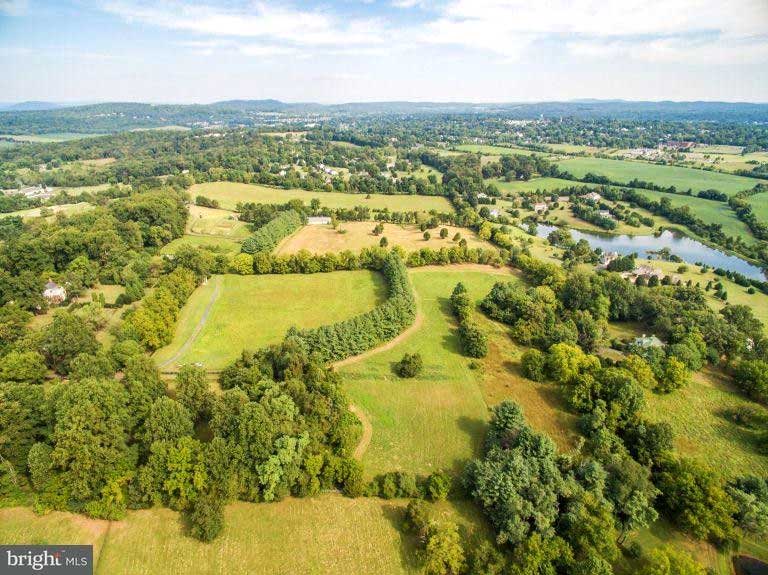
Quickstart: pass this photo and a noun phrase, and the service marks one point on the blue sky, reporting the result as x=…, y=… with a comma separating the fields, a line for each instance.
x=373, y=50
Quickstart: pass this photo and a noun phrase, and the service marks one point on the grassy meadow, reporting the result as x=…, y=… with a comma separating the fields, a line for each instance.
x=496, y=150
x=213, y=222
x=540, y=184
x=357, y=235
x=67, y=209
x=229, y=194
x=759, y=203
x=682, y=178
x=231, y=313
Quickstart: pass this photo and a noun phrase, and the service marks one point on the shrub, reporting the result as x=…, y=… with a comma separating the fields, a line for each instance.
x=533, y=365
x=438, y=486
x=206, y=517
x=410, y=366
x=473, y=340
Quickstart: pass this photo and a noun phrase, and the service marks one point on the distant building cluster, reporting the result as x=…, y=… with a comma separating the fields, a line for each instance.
x=39, y=192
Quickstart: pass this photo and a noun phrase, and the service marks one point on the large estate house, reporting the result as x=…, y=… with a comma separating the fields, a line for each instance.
x=54, y=293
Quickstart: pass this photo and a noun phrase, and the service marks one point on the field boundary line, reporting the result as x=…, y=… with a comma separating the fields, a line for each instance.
x=198, y=328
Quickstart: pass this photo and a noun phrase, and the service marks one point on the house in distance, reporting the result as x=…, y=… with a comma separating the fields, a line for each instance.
x=54, y=293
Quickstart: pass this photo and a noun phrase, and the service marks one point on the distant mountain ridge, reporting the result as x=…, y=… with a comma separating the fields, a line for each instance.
x=43, y=117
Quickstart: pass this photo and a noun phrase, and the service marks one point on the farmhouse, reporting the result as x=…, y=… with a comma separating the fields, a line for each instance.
x=318, y=220
x=646, y=272
x=482, y=196
x=494, y=213
x=606, y=259
x=592, y=197
x=605, y=214
x=540, y=207
x=54, y=293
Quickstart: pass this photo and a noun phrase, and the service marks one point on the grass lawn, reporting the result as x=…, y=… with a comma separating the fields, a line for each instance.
x=542, y=184
x=708, y=210
x=698, y=415
x=67, y=209
x=213, y=222
x=436, y=420
x=682, y=178
x=759, y=203
x=216, y=243
x=357, y=235
x=230, y=193
x=496, y=150
x=45, y=138
x=252, y=311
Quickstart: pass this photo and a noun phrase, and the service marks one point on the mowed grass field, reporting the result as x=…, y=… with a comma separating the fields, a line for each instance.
x=213, y=222
x=232, y=313
x=230, y=193
x=357, y=235
x=320, y=535
x=542, y=184
x=215, y=243
x=759, y=203
x=436, y=420
x=708, y=210
x=68, y=209
x=496, y=150
x=699, y=415
x=623, y=171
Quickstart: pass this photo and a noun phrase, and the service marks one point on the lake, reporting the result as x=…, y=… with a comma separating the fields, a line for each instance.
x=689, y=250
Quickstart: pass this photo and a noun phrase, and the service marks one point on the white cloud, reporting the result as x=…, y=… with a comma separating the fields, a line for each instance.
x=13, y=7
x=683, y=31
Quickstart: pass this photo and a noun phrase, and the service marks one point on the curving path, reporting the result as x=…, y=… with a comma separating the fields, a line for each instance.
x=365, y=440
x=198, y=328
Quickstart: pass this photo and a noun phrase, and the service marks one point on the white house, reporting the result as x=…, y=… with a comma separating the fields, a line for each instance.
x=605, y=214
x=318, y=220
x=482, y=196
x=494, y=213
x=54, y=293
x=540, y=207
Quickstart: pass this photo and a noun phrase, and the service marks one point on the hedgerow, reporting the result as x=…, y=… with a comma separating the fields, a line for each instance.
x=365, y=331
x=473, y=340
x=269, y=235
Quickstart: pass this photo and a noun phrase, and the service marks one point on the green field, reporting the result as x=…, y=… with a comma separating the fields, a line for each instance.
x=47, y=138
x=216, y=243
x=496, y=150
x=543, y=184
x=623, y=171
x=249, y=312
x=698, y=415
x=67, y=209
x=709, y=211
x=436, y=420
x=229, y=194
x=759, y=203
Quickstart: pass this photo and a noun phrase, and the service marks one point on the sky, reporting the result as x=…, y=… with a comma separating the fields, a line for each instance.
x=337, y=51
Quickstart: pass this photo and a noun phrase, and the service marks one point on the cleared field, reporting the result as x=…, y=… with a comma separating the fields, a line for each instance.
x=542, y=184
x=326, y=534
x=63, y=208
x=357, y=235
x=437, y=419
x=698, y=414
x=216, y=243
x=230, y=193
x=55, y=137
x=496, y=150
x=759, y=203
x=248, y=312
x=213, y=222
x=708, y=210
x=682, y=178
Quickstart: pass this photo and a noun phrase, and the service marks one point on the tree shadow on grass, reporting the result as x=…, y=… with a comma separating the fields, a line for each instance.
x=409, y=550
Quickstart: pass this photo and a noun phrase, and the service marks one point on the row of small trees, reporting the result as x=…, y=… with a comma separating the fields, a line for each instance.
x=473, y=340
x=269, y=235
x=365, y=331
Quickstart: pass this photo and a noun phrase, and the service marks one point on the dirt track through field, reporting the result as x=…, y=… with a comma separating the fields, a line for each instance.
x=198, y=328
x=365, y=440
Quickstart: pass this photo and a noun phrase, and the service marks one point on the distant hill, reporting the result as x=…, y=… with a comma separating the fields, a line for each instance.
x=43, y=117
x=30, y=106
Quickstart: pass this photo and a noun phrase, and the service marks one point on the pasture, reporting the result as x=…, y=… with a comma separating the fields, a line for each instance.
x=533, y=185
x=357, y=235
x=46, y=138
x=496, y=150
x=709, y=211
x=699, y=415
x=213, y=222
x=759, y=203
x=67, y=209
x=623, y=171
x=232, y=313
x=214, y=243
x=229, y=194
x=437, y=419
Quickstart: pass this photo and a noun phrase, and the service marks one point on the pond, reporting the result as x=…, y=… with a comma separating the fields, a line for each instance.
x=689, y=250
